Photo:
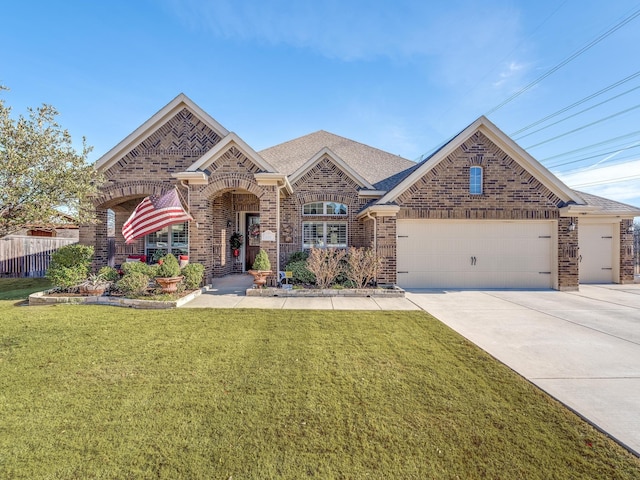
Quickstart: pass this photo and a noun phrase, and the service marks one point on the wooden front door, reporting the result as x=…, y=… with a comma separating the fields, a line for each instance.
x=253, y=239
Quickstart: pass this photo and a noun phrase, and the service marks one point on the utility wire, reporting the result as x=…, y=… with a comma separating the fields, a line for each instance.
x=631, y=159
x=572, y=57
x=593, y=156
x=605, y=142
x=578, y=113
x=584, y=126
x=579, y=102
x=604, y=182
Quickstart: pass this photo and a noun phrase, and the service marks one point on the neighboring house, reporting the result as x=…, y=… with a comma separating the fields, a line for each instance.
x=478, y=213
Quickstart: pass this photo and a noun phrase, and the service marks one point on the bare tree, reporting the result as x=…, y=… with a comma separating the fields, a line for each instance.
x=362, y=266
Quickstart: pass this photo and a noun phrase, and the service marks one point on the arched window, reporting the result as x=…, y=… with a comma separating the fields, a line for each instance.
x=475, y=180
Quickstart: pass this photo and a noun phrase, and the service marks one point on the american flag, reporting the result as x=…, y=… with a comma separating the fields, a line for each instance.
x=154, y=213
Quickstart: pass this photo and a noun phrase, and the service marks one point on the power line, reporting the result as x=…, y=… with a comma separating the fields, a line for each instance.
x=579, y=102
x=572, y=57
x=578, y=113
x=631, y=159
x=584, y=126
x=593, y=156
x=605, y=182
x=605, y=142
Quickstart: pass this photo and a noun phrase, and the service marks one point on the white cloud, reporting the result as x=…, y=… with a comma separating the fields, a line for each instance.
x=620, y=182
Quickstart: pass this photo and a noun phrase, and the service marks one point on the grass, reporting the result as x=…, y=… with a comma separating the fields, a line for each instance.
x=20, y=288
x=99, y=392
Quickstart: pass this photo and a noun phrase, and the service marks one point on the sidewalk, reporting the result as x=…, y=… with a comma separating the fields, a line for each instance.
x=229, y=292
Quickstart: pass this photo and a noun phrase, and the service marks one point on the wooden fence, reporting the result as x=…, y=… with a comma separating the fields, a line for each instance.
x=23, y=256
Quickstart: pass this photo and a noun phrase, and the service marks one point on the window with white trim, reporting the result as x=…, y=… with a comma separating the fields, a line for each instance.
x=324, y=208
x=324, y=234
x=475, y=180
x=172, y=239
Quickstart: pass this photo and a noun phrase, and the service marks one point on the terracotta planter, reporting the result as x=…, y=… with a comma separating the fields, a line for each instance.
x=169, y=284
x=260, y=277
x=93, y=290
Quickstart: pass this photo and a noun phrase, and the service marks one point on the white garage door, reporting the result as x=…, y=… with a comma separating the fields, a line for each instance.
x=596, y=252
x=475, y=254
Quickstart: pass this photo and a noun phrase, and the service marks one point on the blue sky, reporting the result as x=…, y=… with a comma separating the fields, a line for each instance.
x=403, y=76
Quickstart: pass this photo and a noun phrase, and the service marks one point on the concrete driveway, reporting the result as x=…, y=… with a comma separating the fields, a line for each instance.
x=582, y=348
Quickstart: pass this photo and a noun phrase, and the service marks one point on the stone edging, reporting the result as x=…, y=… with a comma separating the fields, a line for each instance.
x=39, y=298
x=394, y=292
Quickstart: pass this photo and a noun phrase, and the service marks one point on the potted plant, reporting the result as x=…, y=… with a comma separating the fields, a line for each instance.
x=235, y=242
x=94, y=285
x=261, y=268
x=167, y=274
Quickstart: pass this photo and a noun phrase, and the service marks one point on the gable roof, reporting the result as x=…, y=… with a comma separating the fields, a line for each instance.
x=151, y=125
x=326, y=152
x=232, y=139
x=505, y=143
x=370, y=163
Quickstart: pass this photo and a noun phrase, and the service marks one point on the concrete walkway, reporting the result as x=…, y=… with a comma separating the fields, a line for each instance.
x=229, y=292
x=583, y=348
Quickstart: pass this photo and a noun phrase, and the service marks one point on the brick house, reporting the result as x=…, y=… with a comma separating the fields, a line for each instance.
x=480, y=212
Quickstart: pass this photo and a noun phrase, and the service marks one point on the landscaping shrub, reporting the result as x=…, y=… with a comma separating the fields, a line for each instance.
x=193, y=274
x=69, y=265
x=138, y=267
x=133, y=284
x=109, y=274
x=362, y=266
x=168, y=268
x=262, y=262
x=298, y=256
x=326, y=265
x=300, y=272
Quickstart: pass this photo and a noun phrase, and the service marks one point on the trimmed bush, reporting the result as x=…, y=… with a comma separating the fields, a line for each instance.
x=297, y=257
x=301, y=274
x=193, y=273
x=108, y=274
x=133, y=284
x=70, y=265
x=262, y=261
x=168, y=268
x=138, y=267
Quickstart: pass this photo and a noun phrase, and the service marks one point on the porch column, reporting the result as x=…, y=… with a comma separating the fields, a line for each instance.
x=568, y=260
x=269, y=223
x=95, y=235
x=200, y=231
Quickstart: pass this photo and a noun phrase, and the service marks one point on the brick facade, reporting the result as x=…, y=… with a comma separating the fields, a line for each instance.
x=234, y=182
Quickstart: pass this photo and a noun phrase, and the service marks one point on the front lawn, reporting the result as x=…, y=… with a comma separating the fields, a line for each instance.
x=100, y=392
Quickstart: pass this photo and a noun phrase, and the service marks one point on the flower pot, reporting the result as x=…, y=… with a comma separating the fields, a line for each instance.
x=93, y=290
x=169, y=284
x=260, y=277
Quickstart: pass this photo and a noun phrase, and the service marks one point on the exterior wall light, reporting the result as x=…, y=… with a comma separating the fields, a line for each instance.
x=631, y=229
x=572, y=227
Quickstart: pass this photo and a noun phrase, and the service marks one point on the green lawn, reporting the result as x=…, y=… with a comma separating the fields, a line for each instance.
x=103, y=392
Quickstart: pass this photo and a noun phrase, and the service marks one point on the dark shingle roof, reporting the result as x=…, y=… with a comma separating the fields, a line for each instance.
x=607, y=205
x=372, y=164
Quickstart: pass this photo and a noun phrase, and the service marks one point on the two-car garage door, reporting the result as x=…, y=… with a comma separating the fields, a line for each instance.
x=475, y=254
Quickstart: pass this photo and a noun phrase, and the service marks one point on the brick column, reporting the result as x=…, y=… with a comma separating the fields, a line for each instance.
x=626, y=252
x=95, y=235
x=201, y=243
x=568, y=254
x=269, y=223
x=386, y=249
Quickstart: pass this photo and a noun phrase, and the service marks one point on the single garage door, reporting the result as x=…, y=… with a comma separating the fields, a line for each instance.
x=596, y=252
x=475, y=254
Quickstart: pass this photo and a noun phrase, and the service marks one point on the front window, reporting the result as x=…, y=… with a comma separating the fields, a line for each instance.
x=324, y=234
x=172, y=239
x=324, y=208
x=475, y=181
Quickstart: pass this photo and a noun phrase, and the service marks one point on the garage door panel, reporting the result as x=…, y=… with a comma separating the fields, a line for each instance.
x=596, y=252
x=483, y=254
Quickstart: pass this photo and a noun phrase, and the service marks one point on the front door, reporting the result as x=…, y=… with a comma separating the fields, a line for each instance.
x=253, y=239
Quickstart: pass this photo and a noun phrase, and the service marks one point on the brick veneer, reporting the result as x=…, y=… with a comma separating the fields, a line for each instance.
x=509, y=193
x=626, y=252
